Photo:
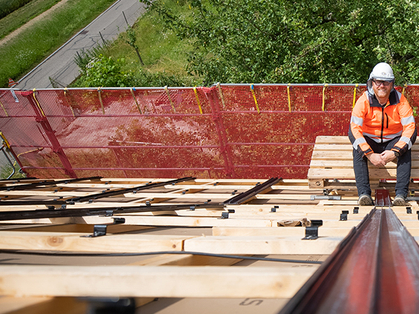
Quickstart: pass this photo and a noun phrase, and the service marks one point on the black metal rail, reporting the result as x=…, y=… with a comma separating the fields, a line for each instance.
x=128, y=190
x=373, y=270
x=101, y=211
x=51, y=212
x=44, y=183
x=249, y=194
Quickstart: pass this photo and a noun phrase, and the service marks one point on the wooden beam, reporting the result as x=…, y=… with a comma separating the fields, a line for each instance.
x=280, y=231
x=179, y=221
x=186, y=260
x=80, y=228
x=262, y=245
x=55, y=241
x=154, y=281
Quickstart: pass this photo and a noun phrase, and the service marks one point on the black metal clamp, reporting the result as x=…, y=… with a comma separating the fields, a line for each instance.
x=100, y=229
x=226, y=215
x=344, y=215
x=312, y=231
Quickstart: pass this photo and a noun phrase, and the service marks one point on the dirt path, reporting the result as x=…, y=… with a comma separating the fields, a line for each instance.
x=31, y=22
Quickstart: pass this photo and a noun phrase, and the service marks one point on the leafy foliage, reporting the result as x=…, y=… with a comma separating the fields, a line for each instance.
x=101, y=71
x=83, y=58
x=104, y=72
x=307, y=41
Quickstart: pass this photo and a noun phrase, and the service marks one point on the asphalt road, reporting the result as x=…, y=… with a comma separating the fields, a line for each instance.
x=60, y=66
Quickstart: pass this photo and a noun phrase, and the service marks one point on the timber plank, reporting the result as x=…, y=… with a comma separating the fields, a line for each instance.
x=180, y=221
x=280, y=231
x=56, y=241
x=153, y=281
x=262, y=245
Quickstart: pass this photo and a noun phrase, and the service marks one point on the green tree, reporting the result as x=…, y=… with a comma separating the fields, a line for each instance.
x=132, y=41
x=311, y=41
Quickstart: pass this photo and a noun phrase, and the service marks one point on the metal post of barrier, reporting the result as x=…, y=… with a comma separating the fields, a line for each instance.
x=216, y=116
x=42, y=119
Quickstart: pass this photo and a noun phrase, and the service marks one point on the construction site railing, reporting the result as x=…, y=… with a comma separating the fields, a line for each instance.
x=225, y=131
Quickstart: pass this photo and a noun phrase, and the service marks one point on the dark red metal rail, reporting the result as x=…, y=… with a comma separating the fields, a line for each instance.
x=374, y=270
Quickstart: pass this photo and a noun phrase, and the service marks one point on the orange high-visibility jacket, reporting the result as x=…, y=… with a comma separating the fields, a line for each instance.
x=383, y=123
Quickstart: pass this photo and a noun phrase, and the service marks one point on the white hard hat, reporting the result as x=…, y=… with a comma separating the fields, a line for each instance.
x=383, y=72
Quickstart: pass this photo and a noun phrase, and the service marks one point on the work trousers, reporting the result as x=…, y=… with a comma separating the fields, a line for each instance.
x=404, y=163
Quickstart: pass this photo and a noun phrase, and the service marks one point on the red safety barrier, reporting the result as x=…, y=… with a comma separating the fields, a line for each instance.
x=226, y=131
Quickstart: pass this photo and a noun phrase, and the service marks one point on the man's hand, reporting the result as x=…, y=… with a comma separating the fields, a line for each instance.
x=388, y=155
x=377, y=159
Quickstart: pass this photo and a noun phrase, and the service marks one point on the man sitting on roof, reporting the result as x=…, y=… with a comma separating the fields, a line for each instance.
x=382, y=129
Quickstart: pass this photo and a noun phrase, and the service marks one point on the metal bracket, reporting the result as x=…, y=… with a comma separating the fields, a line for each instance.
x=356, y=210
x=100, y=229
x=224, y=215
x=344, y=215
x=408, y=210
x=97, y=305
x=312, y=231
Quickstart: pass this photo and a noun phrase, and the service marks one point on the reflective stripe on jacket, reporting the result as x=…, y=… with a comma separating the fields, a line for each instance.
x=383, y=123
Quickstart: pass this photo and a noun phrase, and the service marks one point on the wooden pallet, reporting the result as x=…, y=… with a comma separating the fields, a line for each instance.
x=332, y=160
x=51, y=283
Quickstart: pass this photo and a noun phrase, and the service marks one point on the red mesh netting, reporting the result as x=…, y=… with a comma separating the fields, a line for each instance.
x=226, y=131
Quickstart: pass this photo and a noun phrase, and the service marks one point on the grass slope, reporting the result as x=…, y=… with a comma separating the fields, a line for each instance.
x=163, y=53
x=23, y=15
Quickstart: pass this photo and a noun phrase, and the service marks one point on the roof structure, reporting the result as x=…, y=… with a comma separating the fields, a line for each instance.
x=186, y=245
